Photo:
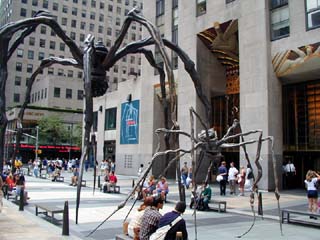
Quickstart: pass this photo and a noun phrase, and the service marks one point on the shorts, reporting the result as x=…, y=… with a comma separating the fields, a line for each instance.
x=312, y=194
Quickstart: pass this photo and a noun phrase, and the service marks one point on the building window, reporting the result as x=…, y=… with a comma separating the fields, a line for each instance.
x=110, y=8
x=55, y=6
x=119, y=10
x=84, y=13
x=70, y=73
x=68, y=93
x=229, y=1
x=80, y=75
x=101, y=5
x=30, y=54
x=91, y=27
x=101, y=17
x=50, y=71
x=23, y=12
x=92, y=16
x=42, y=43
x=73, y=23
x=32, y=41
x=100, y=29
x=45, y=4
x=20, y=52
x=64, y=9
x=279, y=19
x=80, y=94
x=43, y=30
x=60, y=72
x=313, y=13
x=42, y=93
x=18, y=66
x=52, y=45
x=62, y=46
x=115, y=68
x=74, y=11
x=110, y=119
x=41, y=56
x=109, y=31
x=73, y=35
x=27, y=81
x=84, y=2
x=45, y=93
x=29, y=68
x=35, y=3
x=201, y=7
x=24, y=1
x=93, y=3
x=82, y=37
x=16, y=97
x=17, y=81
x=64, y=21
x=56, y=92
x=159, y=8
x=82, y=25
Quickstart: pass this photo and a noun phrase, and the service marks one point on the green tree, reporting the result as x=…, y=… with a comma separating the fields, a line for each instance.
x=52, y=130
x=77, y=135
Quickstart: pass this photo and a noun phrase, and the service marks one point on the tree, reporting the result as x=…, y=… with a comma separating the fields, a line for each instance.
x=52, y=131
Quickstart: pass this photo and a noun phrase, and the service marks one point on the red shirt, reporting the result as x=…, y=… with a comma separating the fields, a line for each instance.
x=113, y=179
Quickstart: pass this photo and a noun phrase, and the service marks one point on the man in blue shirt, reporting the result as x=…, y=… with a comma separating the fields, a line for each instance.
x=224, y=173
x=179, y=226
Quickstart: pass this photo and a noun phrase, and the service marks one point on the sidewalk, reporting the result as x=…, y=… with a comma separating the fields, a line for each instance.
x=25, y=225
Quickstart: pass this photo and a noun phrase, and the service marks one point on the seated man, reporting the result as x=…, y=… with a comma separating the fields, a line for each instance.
x=106, y=180
x=74, y=178
x=206, y=196
x=57, y=172
x=112, y=181
x=162, y=188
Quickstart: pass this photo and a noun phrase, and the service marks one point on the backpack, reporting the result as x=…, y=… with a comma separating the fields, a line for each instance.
x=250, y=175
x=161, y=233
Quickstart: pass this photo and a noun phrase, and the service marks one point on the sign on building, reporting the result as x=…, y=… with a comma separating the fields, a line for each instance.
x=129, y=130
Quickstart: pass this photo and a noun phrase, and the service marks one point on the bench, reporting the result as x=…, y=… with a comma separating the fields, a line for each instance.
x=84, y=183
x=48, y=210
x=60, y=179
x=221, y=206
x=43, y=175
x=285, y=215
x=114, y=189
x=12, y=195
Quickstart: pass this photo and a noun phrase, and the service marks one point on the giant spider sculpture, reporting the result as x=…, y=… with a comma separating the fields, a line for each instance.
x=95, y=60
x=207, y=143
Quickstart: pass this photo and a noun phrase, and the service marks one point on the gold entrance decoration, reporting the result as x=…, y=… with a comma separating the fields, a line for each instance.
x=294, y=61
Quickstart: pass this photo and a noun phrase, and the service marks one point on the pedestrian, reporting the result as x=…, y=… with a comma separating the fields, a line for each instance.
x=311, y=181
x=135, y=223
x=222, y=170
x=150, y=219
x=206, y=196
x=232, y=177
x=290, y=171
x=241, y=180
x=140, y=170
x=179, y=226
x=184, y=174
x=249, y=178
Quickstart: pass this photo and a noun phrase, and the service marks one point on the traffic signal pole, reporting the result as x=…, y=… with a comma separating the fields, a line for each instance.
x=37, y=142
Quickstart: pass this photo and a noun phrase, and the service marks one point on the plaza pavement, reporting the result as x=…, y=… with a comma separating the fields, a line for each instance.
x=15, y=224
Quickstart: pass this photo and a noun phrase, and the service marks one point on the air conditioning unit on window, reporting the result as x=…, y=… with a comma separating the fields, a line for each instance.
x=315, y=18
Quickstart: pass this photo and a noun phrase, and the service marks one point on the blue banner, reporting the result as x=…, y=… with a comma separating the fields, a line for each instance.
x=129, y=131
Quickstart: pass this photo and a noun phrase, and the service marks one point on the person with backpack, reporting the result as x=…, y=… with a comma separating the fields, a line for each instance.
x=249, y=178
x=171, y=223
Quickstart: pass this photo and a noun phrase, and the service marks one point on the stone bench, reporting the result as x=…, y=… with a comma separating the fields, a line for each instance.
x=220, y=206
x=286, y=213
x=60, y=179
x=48, y=211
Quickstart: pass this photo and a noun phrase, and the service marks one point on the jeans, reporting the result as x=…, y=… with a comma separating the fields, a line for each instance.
x=223, y=184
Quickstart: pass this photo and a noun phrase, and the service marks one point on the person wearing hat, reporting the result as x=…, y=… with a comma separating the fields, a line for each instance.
x=180, y=226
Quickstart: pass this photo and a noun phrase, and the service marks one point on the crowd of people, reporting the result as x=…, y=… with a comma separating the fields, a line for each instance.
x=244, y=178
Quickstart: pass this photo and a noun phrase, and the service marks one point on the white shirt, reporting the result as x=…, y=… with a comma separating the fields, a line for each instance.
x=311, y=185
x=233, y=173
x=290, y=168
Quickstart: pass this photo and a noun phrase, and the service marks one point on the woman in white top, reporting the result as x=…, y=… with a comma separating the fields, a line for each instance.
x=311, y=179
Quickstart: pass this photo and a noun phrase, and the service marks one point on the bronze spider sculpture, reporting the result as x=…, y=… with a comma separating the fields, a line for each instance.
x=207, y=143
x=95, y=60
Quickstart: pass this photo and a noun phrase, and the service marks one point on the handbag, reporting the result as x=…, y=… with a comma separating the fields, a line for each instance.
x=161, y=233
x=219, y=178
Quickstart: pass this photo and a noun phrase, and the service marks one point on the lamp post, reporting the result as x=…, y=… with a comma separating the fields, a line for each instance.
x=71, y=136
x=37, y=141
